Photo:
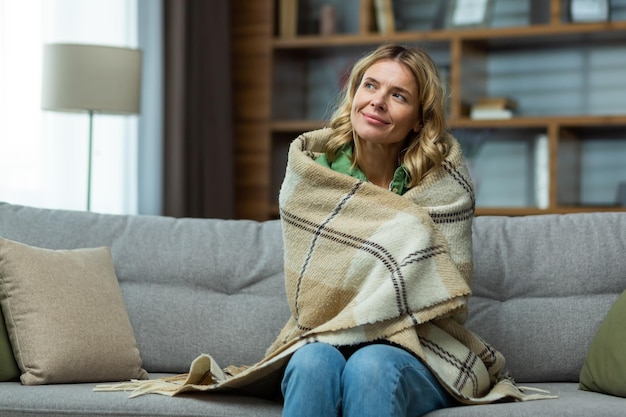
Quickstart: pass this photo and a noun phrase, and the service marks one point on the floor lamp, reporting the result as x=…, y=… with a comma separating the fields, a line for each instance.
x=92, y=79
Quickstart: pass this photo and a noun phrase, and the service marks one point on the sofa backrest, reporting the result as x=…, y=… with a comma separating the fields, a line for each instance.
x=542, y=285
x=191, y=286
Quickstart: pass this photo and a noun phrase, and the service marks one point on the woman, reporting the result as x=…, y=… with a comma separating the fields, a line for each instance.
x=376, y=214
x=389, y=130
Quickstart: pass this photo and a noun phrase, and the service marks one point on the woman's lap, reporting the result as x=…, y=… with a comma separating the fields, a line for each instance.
x=373, y=380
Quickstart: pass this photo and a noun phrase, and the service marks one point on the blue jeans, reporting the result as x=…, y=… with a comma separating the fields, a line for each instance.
x=376, y=380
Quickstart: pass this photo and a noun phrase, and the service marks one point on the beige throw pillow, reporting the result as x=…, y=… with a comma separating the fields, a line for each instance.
x=65, y=315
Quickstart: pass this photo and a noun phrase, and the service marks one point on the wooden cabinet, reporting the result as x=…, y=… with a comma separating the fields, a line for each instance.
x=563, y=151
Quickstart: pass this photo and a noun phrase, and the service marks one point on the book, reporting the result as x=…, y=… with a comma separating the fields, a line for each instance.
x=384, y=16
x=328, y=20
x=486, y=114
x=288, y=15
x=568, y=171
x=367, y=22
x=541, y=172
x=498, y=103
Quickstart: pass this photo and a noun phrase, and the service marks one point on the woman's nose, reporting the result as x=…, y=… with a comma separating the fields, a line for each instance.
x=378, y=101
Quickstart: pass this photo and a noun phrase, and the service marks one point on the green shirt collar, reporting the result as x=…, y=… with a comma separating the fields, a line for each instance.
x=343, y=165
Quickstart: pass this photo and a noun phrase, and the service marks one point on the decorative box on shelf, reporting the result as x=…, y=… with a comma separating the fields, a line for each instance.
x=589, y=10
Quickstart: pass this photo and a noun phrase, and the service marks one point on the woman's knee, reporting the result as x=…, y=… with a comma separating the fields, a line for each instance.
x=311, y=385
x=315, y=361
x=392, y=382
x=394, y=365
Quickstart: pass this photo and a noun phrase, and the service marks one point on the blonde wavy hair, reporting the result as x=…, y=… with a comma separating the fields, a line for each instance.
x=423, y=151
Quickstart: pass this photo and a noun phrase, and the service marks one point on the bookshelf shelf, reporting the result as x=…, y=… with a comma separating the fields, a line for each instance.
x=303, y=125
x=552, y=32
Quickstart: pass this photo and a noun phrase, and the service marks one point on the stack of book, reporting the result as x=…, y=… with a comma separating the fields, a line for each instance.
x=493, y=108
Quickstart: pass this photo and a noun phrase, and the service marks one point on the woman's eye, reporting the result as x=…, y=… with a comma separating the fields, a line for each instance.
x=399, y=96
x=368, y=85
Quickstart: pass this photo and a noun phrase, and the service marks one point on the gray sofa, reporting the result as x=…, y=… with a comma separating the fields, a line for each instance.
x=216, y=286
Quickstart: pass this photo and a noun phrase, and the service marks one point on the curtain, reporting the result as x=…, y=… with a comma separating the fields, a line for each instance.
x=198, y=133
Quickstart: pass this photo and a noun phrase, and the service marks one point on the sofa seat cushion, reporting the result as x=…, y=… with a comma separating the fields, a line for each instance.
x=67, y=400
x=604, y=369
x=65, y=315
x=572, y=402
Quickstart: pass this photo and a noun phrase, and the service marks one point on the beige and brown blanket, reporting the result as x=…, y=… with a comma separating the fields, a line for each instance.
x=364, y=264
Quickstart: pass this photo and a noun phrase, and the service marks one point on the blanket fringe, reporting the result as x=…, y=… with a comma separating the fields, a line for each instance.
x=541, y=394
x=164, y=386
x=170, y=386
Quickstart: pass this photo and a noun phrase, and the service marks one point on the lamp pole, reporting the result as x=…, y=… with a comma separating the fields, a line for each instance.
x=90, y=161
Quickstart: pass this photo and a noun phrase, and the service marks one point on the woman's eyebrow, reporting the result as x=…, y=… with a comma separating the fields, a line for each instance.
x=370, y=79
x=393, y=87
x=403, y=90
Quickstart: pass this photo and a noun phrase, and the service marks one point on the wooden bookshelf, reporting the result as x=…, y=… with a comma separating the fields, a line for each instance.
x=289, y=95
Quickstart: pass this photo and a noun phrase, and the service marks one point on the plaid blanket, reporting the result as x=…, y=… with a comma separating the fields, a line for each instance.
x=363, y=264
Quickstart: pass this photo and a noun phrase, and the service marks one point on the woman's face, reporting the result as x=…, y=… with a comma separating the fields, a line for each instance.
x=386, y=105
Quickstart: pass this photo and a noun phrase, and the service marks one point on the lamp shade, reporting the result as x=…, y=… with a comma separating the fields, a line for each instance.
x=93, y=78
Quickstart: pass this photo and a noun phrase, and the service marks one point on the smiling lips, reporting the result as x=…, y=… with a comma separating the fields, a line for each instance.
x=372, y=118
